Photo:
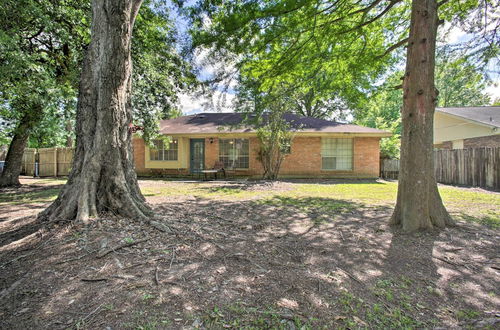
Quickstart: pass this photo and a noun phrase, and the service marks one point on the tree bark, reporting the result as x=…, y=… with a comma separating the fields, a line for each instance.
x=14, y=158
x=419, y=205
x=69, y=137
x=102, y=176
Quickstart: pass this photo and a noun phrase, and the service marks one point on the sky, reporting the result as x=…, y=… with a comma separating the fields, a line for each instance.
x=195, y=104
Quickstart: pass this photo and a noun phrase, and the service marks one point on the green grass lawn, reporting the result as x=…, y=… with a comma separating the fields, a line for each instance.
x=464, y=204
x=469, y=205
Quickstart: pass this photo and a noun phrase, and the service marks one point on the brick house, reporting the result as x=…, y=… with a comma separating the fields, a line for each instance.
x=467, y=127
x=321, y=148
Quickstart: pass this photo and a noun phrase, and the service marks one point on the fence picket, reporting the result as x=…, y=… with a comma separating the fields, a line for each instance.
x=477, y=167
x=52, y=161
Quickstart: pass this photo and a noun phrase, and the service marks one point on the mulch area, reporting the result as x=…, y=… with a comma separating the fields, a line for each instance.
x=231, y=263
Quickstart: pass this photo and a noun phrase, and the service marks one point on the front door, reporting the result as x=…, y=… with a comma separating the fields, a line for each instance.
x=197, y=152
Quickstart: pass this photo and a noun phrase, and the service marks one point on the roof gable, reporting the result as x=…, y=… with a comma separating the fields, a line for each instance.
x=210, y=123
x=484, y=115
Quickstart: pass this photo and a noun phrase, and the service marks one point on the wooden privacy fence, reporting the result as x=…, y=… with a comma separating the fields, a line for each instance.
x=477, y=167
x=51, y=161
x=389, y=168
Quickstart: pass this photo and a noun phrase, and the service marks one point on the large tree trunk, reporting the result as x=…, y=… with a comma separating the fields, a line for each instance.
x=102, y=176
x=14, y=158
x=419, y=205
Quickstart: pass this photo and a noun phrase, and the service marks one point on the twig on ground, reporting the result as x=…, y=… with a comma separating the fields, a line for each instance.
x=74, y=259
x=18, y=258
x=93, y=279
x=157, y=281
x=118, y=247
x=448, y=261
x=93, y=312
x=173, y=257
x=161, y=227
x=350, y=275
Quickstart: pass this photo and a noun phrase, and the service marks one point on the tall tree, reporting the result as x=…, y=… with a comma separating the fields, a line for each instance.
x=103, y=177
x=39, y=54
x=419, y=205
x=43, y=67
x=277, y=41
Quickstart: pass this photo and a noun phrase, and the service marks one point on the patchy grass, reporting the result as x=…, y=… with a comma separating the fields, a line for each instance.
x=251, y=255
x=39, y=196
x=474, y=206
x=238, y=316
x=464, y=204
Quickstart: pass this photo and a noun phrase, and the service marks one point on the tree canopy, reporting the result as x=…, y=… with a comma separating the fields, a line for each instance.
x=326, y=56
x=41, y=56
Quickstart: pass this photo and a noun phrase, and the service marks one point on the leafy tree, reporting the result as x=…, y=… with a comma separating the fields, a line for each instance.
x=103, y=177
x=459, y=84
x=323, y=52
x=41, y=49
x=458, y=81
x=160, y=73
x=383, y=111
x=352, y=41
x=275, y=136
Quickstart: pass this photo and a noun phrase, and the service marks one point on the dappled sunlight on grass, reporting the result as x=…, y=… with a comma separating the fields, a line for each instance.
x=315, y=254
x=310, y=203
x=368, y=192
x=41, y=196
x=473, y=206
x=50, y=181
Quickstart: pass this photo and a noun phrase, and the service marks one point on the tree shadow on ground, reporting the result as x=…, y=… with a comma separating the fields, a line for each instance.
x=265, y=264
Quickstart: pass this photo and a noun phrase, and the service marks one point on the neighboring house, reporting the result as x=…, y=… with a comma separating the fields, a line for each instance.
x=467, y=127
x=321, y=148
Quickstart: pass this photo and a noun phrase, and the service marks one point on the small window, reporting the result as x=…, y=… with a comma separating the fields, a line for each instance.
x=336, y=154
x=162, y=151
x=286, y=147
x=234, y=153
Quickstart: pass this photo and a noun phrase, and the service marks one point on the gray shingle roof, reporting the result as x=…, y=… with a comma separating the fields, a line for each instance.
x=484, y=115
x=210, y=123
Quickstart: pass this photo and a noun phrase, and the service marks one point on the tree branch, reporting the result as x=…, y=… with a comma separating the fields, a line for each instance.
x=393, y=47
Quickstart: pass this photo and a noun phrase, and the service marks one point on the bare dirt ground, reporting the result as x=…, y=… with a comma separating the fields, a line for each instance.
x=233, y=263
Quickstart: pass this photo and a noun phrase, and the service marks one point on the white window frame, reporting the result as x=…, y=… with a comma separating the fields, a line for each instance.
x=170, y=154
x=341, y=150
x=226, y=158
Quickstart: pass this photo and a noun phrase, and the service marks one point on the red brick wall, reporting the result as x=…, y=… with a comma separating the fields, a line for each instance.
x=139, y=149
x=305, y=157
x=304, y=161
x=492, y=141
x=367, y=156
x=444, y=145
x=211, y=152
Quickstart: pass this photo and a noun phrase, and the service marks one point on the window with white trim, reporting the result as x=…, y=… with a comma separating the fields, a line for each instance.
x=234, y=153
x=336, y=154
x=163, y=151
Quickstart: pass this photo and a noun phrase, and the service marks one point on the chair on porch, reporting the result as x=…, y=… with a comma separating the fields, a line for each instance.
x=218, y=167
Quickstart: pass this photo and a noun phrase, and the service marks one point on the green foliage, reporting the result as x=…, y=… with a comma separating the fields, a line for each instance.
x=160, y=73
x=41, y=54
x=41, y=50
x=275, y=135
x=383, y=111
x=458, y=81
x=325, y=54
x=459, y=84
